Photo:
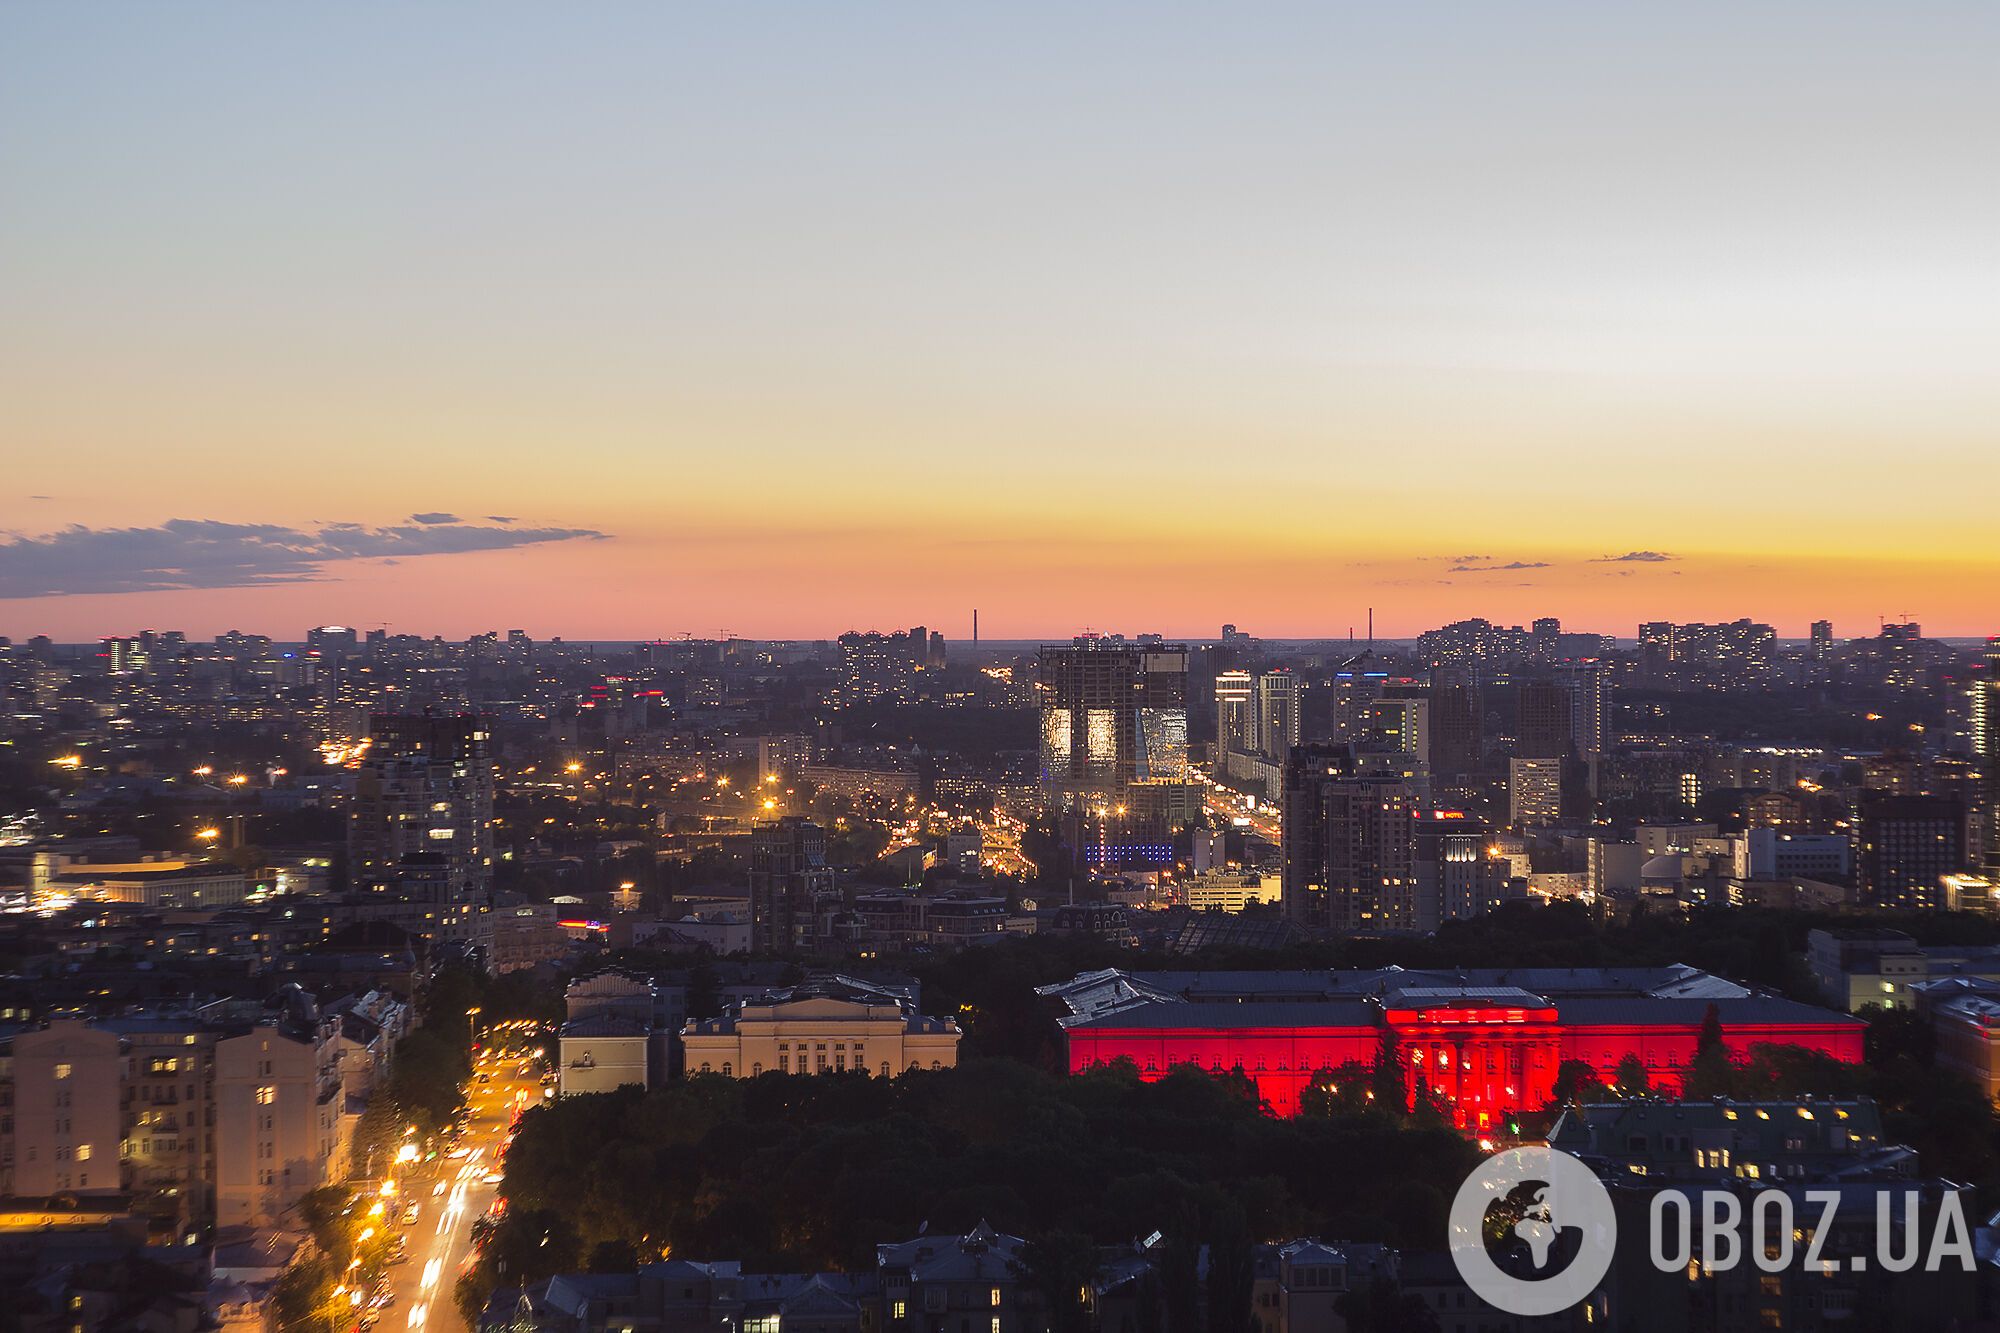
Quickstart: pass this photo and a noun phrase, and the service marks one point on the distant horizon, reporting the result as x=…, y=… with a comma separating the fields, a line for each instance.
x=958, y=640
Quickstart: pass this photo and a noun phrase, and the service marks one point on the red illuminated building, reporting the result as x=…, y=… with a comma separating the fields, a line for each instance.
x=1488, y=1042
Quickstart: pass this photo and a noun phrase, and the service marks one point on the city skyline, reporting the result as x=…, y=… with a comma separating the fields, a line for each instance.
x=791, y=322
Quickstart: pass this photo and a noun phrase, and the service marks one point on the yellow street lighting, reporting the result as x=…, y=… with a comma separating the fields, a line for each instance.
x=208, y=834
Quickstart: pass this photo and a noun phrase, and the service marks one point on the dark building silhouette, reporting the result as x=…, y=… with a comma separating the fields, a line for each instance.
x=423, y=806
x=1350, y=845
x=1905, y=845
x=791, y=885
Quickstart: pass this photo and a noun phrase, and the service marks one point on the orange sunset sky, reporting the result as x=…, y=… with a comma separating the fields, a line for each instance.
x=783, y=320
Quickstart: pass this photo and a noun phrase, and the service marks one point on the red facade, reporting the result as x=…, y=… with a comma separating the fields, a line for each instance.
x=1488, y=1062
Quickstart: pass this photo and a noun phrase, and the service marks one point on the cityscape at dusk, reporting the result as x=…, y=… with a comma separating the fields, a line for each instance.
x=894, y=668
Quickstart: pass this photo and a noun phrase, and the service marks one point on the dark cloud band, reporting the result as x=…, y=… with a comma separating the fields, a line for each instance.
x=183, y=554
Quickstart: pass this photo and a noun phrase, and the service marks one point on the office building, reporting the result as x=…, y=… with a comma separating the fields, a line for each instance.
x=1114, y=749
x=1235, y=716
x=1455, y=878
x=1353, y=691
x=1350, y=845
x=1545, y=726
x=1457, y=722
x=1778, y=854
x=792, y=890
x=1584, y=683
x=1400, y=722
x=1534, y=792
x=1983, y=718
x=423, y=796
x=1277, y=714
x=1905, y=846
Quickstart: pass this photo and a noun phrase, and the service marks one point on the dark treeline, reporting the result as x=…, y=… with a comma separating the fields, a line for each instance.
x=795, y=1174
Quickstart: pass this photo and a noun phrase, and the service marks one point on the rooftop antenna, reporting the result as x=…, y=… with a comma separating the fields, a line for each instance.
x=1371, y=629
x=975, y=627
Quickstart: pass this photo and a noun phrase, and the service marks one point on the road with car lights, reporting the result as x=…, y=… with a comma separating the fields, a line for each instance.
x=465, y=1184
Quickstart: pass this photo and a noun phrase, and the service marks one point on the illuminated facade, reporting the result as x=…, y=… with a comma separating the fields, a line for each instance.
x=832, y=1025
x=1235, y=715
x=1534, y=791
x=1984, y=715
x=1114, y=746
x=1487, y=1044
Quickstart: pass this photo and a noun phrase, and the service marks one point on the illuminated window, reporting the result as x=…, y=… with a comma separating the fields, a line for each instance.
x=83, y=1152
x=266, y=1095
x=62, y=1071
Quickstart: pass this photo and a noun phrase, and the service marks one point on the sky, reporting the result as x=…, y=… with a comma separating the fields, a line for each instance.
x=621, y=320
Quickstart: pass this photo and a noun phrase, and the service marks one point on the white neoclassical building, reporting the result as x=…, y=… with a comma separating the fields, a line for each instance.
x=826, y=1026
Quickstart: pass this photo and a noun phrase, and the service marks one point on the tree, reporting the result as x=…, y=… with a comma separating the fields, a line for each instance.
x=704, y=989
x=1058, y=1266
x=304, y=1298
x=1711, y=1029
x=1180, y=1281
x=1577, y=1083
x=1382, y=1307
x=1390, y=1081
x=1341, y=1091
x=323, y=1210
x=1712, y=1073
x=427, y=1080
x=1232, y=1274
x=1631, y=1078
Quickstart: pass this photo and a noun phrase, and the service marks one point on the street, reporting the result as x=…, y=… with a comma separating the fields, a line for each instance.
x=449, y=1202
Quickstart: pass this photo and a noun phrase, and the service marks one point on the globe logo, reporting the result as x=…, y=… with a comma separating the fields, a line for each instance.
x=1562, y=1209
